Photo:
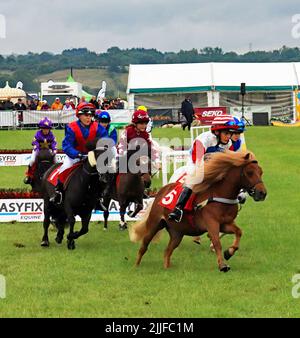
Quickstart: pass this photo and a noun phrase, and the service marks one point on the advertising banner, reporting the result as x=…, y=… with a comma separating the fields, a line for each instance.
x=207, y=114
x=12, y=160
x=31, y=210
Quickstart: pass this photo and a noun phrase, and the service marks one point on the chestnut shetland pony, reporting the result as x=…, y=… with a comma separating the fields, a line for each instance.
x=224, y=175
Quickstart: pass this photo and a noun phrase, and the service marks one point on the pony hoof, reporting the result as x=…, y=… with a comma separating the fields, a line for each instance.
x=71, y=245
x=105, y=229
x=225, y=268
x=45, y=243
x=122, y=227
x=58, y=240
x=227, y=255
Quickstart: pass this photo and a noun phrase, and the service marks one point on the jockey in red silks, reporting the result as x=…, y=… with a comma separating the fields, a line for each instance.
x=77, y=134
x=42, y=136
x=217, y=139
x=137, y=131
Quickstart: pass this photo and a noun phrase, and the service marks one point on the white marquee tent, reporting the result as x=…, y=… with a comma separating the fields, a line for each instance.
x=214, y=84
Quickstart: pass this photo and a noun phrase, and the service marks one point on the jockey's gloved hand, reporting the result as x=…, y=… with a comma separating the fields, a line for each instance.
x=80, y=156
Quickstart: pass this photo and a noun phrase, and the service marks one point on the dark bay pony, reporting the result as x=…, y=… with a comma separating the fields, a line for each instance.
x=130, y=189
x=44, y=160
x=224, y=175
x=80, y=198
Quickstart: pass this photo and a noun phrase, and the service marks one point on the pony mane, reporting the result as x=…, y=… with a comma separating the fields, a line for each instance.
x=216, y=168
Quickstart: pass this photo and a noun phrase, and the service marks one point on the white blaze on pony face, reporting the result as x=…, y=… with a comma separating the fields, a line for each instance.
x=92, y=158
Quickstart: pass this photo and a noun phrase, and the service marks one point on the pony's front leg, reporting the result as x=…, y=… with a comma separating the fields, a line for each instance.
x=46, y=223
x=85, y=220
x=71, y=221
x=232, y=228
x=213, y=228
x=122, y=224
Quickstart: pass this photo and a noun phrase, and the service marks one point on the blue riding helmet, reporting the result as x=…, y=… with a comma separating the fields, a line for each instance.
x=240, y=125
x=103, y=116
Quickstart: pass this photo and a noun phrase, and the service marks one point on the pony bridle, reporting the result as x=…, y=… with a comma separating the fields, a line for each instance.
x=250, y=190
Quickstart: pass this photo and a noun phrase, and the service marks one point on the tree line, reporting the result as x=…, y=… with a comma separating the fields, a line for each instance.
x=27, y=67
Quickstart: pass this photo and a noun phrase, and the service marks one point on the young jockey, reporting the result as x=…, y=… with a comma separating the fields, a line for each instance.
x=150, y=123
x=42, y=136
x=135, y=132
x=104, y=120
x=217, y=139
x=236, y=135
x=77, y=133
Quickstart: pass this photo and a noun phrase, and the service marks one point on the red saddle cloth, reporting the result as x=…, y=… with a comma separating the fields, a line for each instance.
x=64, y=177
x=170, y=199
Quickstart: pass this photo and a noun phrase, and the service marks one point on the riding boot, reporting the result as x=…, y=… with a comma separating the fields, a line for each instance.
x=176, y=214
x=58, y=194
x=29, y=175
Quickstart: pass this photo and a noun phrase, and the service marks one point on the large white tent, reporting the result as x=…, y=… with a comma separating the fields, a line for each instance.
x=188, y=77
x=163, y=86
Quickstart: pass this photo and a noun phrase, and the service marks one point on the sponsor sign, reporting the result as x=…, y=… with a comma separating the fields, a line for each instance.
x=207, y=114
x=31, y=210
x=11, y=160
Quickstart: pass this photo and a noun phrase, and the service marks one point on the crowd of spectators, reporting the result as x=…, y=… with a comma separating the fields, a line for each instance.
x=68, y=104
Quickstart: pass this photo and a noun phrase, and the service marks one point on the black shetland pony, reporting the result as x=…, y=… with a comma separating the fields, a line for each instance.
x=130, y=189
x=44, y=160
x=80, y=198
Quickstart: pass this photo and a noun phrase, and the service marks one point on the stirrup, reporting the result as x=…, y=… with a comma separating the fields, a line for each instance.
x=57, y=198
x=173, y=216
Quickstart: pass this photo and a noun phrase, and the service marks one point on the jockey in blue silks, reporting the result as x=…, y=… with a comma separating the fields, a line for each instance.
x=77, y=134
x=236, y=135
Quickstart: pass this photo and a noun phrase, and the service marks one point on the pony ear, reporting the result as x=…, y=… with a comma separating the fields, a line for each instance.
x=92, y=158
x=247, y=157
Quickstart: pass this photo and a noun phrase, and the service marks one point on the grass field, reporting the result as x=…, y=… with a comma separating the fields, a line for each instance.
x=98, y=279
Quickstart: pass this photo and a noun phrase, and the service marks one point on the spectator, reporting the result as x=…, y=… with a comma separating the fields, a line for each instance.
x=20, y=106
x=94, y=102
x=45, y=105
x=187, y=110
x=67, y=106
x=57, y=105
x=72, y=103
x=2, y=105
x=32, y=105
x=8, y=105
x=82, y=99
x=119, y=104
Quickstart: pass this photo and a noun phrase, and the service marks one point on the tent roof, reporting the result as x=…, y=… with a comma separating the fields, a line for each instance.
x=7, y=92
x=189, y=77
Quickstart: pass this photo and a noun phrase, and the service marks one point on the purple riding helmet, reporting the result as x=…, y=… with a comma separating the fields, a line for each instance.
x=45, y=123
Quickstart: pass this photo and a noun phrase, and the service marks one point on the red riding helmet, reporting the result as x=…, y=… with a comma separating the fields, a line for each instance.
x=222, y=122
x=140, y=116
x=84, y=108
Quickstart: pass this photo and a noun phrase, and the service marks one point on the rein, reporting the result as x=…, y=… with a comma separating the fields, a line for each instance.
x=250, y=190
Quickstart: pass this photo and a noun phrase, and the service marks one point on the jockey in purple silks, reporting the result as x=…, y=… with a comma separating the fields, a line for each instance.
x=42, y=136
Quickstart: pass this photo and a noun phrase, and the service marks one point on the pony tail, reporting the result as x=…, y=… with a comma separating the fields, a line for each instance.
x=139, y=229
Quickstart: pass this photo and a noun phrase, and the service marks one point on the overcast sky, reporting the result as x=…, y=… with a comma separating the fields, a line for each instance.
x=167, y=25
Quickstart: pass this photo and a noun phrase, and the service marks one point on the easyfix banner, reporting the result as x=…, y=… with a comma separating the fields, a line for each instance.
x=32, y=210
x=11, y=160
x=207, y=114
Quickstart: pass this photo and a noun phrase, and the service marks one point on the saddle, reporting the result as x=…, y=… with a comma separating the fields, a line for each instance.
x=65, y=176
x=170, y=199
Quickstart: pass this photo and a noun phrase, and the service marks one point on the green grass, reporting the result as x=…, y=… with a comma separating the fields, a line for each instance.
x=98, y=278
